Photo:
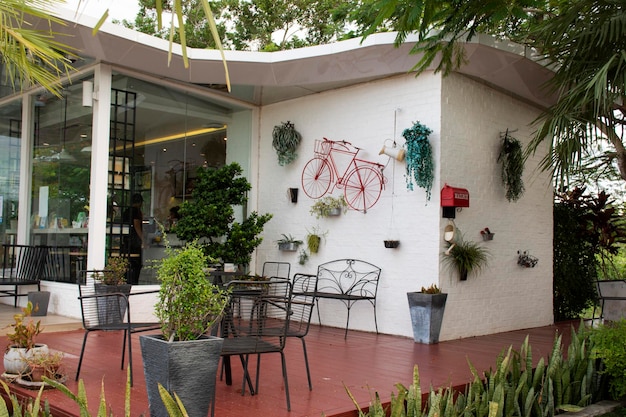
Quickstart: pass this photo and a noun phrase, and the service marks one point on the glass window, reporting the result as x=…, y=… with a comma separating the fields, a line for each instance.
x=10, y=134
x=159, y=137
x=61, y=174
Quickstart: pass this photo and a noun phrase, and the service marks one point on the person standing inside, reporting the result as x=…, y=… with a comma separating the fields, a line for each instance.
x=133, y=217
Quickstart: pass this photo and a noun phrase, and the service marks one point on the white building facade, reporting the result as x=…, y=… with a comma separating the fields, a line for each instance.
x=147, y=126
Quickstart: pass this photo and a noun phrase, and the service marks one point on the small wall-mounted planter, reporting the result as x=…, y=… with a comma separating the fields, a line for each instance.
x=486, y=234
x=526, y=260
x=334, y=212
x=288, y=246
x=293, y=195
x=392, y=244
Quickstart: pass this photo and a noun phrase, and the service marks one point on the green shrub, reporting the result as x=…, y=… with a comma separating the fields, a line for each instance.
x=514, y=388
x=609, y=341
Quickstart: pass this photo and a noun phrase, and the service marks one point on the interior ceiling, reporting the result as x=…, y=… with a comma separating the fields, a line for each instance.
x=262, y=78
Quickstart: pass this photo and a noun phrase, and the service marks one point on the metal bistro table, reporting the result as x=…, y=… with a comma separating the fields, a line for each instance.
x=219, y=277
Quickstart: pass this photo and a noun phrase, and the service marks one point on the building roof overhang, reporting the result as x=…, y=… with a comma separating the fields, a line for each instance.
x=263, y=78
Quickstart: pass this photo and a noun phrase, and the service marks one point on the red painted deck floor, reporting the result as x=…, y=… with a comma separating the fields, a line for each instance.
x=364, y=362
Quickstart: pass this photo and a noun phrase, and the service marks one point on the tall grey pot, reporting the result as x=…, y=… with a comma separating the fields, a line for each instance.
x=111, y=310
x=426, y=315
x=186, y=368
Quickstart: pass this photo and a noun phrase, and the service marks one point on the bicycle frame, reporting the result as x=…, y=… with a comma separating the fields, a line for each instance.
x=335, y=163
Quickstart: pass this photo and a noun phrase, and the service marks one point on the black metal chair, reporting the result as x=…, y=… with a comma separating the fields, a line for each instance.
x=21, y=265
x=302, y=303
x=276, y=269
x=106, y=310
x=256, y=323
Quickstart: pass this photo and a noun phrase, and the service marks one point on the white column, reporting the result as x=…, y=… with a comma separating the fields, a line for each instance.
x=26, y=173
x=100, y=133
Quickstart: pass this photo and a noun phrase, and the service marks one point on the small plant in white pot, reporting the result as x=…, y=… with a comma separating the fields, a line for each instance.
x=188, y=307
x=22, y=342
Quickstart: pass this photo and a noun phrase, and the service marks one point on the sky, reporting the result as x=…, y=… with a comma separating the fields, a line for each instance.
x=118, y=9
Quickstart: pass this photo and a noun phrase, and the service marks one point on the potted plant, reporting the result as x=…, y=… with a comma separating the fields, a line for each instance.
x=285, y=140
x=419, y=158
x=209, y=216
x=46, y=364
x=329, y=206
x=22, y=342
x=466, y=257
x=188, y=307
x=288, y=243
x=313, y=239
x=391, y=243
x=427, y=307
x=112, y=279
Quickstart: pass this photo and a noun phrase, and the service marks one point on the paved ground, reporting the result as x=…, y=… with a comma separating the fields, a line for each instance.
x=50, y=323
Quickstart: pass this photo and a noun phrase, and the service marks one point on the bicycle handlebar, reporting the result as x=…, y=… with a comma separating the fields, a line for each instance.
x=343, y=142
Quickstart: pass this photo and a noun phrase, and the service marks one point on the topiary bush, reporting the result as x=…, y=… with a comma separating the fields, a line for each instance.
x=209, y=216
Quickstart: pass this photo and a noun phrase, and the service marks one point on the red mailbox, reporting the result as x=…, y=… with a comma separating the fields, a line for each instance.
x=454, y=197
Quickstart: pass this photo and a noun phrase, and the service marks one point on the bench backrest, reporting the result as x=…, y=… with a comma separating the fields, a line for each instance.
x=58, y=265
x=348, y=277
x=23, y=262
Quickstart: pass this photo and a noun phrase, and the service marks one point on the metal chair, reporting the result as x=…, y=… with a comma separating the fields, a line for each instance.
x=276, y=269
x=302, y=303
x=612, y=299
x=303, y=290
x=109, y=310
x=256, y=323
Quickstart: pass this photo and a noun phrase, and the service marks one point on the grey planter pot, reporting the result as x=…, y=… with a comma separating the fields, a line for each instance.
x=288, y=246
x=40, y=300
x=426, y=315
x=186, y=368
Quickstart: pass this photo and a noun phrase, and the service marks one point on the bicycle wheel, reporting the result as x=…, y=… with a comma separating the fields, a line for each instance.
x=362, y=188
x=316, y=177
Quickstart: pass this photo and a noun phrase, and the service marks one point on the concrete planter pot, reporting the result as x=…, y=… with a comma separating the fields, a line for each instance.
x=16, y=358
x=186, y=368
x=40, y=301
x=111, y=310
x=426, y=315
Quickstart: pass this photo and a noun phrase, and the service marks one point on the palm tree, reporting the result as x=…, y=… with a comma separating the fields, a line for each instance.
x=32, y=56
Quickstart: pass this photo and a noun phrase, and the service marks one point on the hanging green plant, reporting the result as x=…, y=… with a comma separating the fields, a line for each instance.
x=512, y=159
x=285, y=139
x=419, y=158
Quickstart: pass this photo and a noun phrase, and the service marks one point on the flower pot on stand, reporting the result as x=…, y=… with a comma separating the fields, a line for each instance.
x=426, y=315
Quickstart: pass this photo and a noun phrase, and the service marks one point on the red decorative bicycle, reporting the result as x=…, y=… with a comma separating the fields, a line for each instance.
x=335, y=162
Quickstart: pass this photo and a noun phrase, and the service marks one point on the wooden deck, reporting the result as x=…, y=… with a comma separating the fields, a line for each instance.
x=364, y=362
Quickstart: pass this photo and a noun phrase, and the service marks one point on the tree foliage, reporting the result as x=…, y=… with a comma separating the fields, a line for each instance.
x=250, y=25
x=31, y=56
x=587, y=230
x=210, y=216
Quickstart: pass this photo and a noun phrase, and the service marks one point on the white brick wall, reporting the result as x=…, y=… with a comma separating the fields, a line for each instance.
x=506, y=296
x=466, y=118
